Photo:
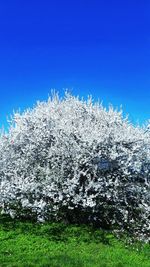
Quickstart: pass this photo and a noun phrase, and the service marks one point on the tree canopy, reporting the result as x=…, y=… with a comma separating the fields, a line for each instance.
x=74, y=160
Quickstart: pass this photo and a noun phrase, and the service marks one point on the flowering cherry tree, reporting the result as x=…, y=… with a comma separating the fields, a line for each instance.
x=73, y=160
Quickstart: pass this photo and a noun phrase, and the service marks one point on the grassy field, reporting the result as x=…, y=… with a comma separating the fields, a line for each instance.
x=57, y=245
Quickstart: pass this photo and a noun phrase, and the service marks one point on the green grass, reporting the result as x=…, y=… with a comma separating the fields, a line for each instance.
x=59, y=245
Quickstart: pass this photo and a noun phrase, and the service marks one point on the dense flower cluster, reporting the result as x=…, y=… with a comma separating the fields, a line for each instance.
x=70, y=159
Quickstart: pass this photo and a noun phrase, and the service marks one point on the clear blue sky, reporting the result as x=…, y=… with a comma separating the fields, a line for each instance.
x=98, y=47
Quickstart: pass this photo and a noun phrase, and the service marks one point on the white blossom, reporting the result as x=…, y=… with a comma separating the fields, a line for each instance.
x=70, y=156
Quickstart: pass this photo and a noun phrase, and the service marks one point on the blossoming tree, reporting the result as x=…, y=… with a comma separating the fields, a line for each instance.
x=70, y=159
